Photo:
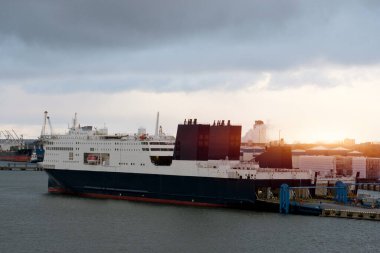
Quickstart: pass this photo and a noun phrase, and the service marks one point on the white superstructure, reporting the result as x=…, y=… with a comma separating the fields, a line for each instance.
x=89, y=149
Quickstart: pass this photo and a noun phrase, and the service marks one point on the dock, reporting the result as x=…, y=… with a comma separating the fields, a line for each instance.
x=352, y=214
x=323, y=208
x=4, y=165
x=338, y=210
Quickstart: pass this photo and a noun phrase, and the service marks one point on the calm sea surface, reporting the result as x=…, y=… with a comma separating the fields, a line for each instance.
x=31, y=220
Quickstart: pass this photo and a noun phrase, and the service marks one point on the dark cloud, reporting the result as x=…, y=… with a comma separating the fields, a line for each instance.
x=88, y=23
x=149, y=41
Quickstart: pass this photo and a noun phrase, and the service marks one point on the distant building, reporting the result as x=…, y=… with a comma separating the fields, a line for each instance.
x=359, y=166
x=338, y=151
x=355, y=153
x=280, y=142
x=343, y=165
x=349, y=142
x=320, y=150
x=296, y=154
x=257, y=134
x=373, y=168
x=324, y=165
x=336, y=161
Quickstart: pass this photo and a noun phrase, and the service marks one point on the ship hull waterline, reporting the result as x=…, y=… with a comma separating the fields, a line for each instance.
x=167, y=189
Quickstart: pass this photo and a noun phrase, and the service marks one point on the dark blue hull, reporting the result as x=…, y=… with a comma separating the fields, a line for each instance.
x=187, y=190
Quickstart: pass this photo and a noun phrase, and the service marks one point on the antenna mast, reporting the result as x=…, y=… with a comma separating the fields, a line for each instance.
x=75, y=121
x=51, y=128
x=157, y=124
x=43, y=130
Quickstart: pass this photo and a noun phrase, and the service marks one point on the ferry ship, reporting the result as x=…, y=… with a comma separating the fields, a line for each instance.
x=199, y=167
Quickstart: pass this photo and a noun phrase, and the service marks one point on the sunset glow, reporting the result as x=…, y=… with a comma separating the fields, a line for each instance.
x=314, y=80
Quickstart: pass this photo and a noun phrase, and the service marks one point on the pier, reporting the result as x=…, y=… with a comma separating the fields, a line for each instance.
x=4, y=165
x=339, y=207
x=352, y=214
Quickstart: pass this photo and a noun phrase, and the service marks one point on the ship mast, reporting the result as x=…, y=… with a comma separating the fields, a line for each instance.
x=157, y=123
x=50, y=126
x=43, y=130
x=75, y=122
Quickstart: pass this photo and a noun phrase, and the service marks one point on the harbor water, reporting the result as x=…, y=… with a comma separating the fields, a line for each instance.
x=31, y=220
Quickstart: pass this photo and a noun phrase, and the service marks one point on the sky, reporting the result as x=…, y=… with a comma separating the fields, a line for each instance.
x=309, y=69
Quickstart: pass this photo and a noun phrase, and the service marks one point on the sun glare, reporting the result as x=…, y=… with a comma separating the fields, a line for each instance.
x=326, y=137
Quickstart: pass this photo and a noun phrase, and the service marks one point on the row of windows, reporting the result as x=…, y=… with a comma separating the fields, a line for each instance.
x=161, y=143
x=51, y=154
x=60, y=148
x=116, y=149
x=54, y=161
x=161, y=149
x=141, y=164
x=109, y=143
x=65, y=143
x=144, y=149
x=120, y=149
x=126, y=143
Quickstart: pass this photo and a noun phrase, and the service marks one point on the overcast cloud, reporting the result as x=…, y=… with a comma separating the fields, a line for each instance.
x=111, y=46
x=309, y=68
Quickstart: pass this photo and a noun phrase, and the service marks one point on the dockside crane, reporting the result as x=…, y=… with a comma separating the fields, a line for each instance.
x=10, y=135
x=18, y=138
x=1, y=132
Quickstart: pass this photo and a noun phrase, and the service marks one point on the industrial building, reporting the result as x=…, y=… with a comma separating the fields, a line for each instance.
x=324, y=165
x=373, y=167
x=336, y=162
